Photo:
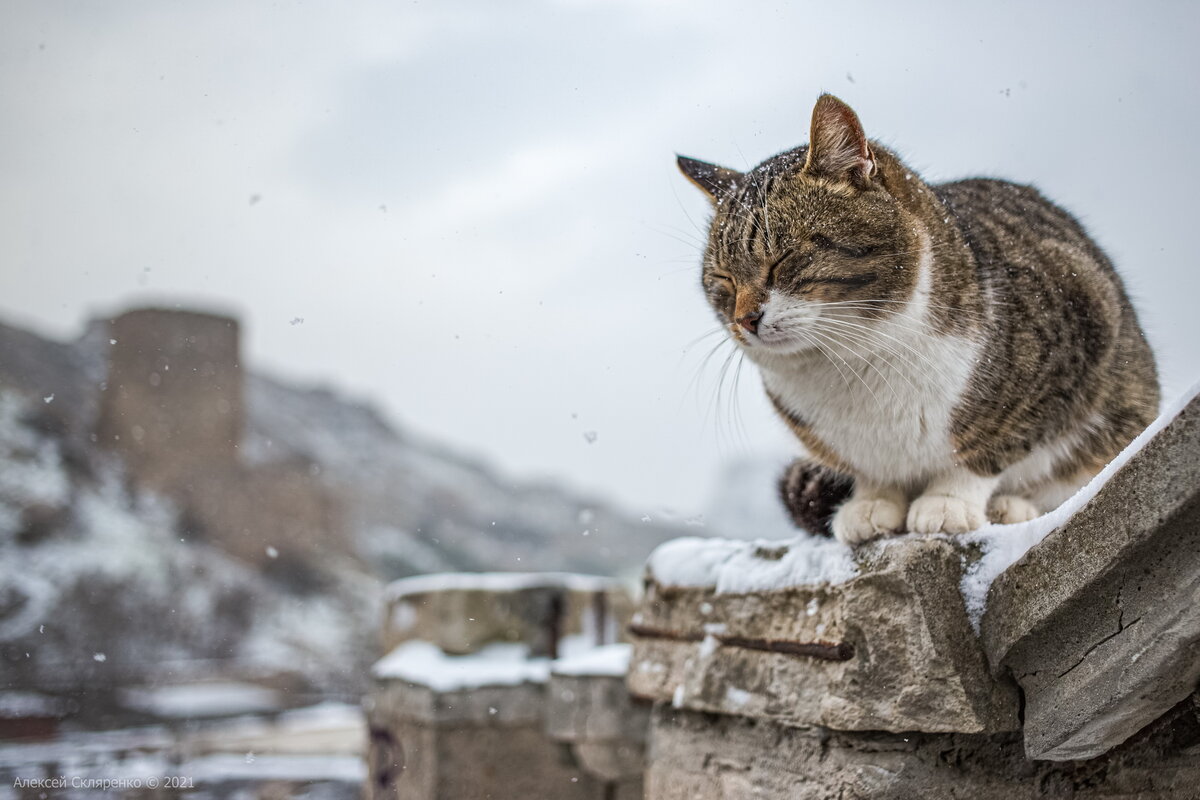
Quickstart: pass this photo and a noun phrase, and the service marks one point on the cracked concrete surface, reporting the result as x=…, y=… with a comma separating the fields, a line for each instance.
x=889, y=650
x=718, y=757
x=1097, y=623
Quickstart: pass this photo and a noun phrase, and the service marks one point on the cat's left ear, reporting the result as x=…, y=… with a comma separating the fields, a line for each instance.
x=837, y=146
x=713, y=180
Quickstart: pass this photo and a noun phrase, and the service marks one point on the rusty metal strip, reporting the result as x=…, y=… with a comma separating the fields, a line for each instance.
x=646, y=632
x=826, y=651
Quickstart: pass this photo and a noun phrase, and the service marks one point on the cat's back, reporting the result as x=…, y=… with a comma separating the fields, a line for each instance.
x=1005, y=222
x=1064, y=353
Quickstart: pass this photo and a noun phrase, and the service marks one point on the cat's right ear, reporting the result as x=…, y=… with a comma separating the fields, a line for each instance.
x=837, y=147
x=714, y=181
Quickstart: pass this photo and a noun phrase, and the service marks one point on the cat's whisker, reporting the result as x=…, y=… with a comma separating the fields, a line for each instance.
x=895, y=301
x=694, y=383
x=737, y=397
x=867, y=386
x=873, y=348
x=851, y=328
x=857, y=324
x=679, y=235
x=895, y=311
x=866, y=357
x=809, y=340
x=857, y=333
x=826, y=346
x=703, y=336
x=702, y=230
x=722, y=393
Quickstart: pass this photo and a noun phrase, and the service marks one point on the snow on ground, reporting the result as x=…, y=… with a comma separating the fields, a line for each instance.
x=751, y=566
x=31, y=469
x=216, y=699
x=28, y=704
x=326, y=742
x=1004, y=545
x=610, y=660
x=232, y=767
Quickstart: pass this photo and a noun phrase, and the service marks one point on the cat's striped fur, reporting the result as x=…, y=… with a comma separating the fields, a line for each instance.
x=960, y=351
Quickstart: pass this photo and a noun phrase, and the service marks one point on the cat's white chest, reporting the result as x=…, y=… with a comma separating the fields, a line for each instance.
x=885, y=413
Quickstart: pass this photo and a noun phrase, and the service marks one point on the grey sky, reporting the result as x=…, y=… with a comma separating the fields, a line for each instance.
x=474, y=208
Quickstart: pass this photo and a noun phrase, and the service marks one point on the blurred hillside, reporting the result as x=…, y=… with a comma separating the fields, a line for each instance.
x=166, y=514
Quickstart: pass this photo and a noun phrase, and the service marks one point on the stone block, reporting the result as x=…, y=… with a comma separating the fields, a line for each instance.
x=466, y=714
x=696, y=756
x=1098, y=622
x=436, y=741
x=463, y=612
x=593, y=712
x=890, y=649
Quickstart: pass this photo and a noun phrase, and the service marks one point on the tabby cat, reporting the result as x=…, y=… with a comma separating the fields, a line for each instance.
x=947, y=354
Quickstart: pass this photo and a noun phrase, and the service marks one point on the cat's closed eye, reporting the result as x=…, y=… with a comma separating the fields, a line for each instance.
x=854, y=251
x=719, y=283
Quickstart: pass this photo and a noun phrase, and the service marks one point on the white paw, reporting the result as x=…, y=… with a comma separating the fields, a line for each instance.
x=859, y=521
x=1007, y=509
x=940, y=513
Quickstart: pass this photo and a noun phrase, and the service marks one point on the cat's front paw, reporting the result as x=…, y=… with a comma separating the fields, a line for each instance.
x=1007, y=509
x=859, y=521
x=940, y=513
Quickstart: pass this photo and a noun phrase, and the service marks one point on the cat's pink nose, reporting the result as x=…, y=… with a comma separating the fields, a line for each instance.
x=750, y=321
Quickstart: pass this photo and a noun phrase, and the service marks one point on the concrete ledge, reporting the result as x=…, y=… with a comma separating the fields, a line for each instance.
x=1098, y=622
x=890, y=649
x=593, y=712
x=695, y=756
x=463, y=612
x=474, y=743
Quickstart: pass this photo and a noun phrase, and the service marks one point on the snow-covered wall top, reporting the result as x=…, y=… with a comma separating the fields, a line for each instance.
x=764, y=565
x=1004, y=545
x=497, y=582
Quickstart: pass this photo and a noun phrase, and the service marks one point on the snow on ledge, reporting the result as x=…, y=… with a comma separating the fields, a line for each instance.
x=740, y=566
x=1004, y=545
x=498, y=664
x=496, y=582
x=609, y=661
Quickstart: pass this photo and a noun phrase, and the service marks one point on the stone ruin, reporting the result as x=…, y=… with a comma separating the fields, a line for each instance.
x=1057, y=658
x=173, y=408
x=505, y=685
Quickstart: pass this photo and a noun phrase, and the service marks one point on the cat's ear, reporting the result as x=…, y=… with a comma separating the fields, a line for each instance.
x=713, y=180
x=837, y=146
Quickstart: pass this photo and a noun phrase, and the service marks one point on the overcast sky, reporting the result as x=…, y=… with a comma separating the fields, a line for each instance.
x=469, y=213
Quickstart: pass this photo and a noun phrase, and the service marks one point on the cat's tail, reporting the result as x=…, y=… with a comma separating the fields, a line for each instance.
x=811, y=493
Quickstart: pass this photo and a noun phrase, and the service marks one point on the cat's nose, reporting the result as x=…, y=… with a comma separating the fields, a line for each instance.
x=750, y=321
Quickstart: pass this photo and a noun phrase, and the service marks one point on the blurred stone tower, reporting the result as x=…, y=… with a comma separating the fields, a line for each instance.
x=173, y=407
x=173, y=401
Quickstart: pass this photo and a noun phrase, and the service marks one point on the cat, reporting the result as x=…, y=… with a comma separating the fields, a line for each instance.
x=947, y=354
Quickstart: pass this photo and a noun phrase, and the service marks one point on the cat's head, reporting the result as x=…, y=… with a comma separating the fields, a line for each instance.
x=812, y=242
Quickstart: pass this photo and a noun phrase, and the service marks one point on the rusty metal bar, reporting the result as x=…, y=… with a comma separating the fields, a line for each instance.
x=826, y=651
